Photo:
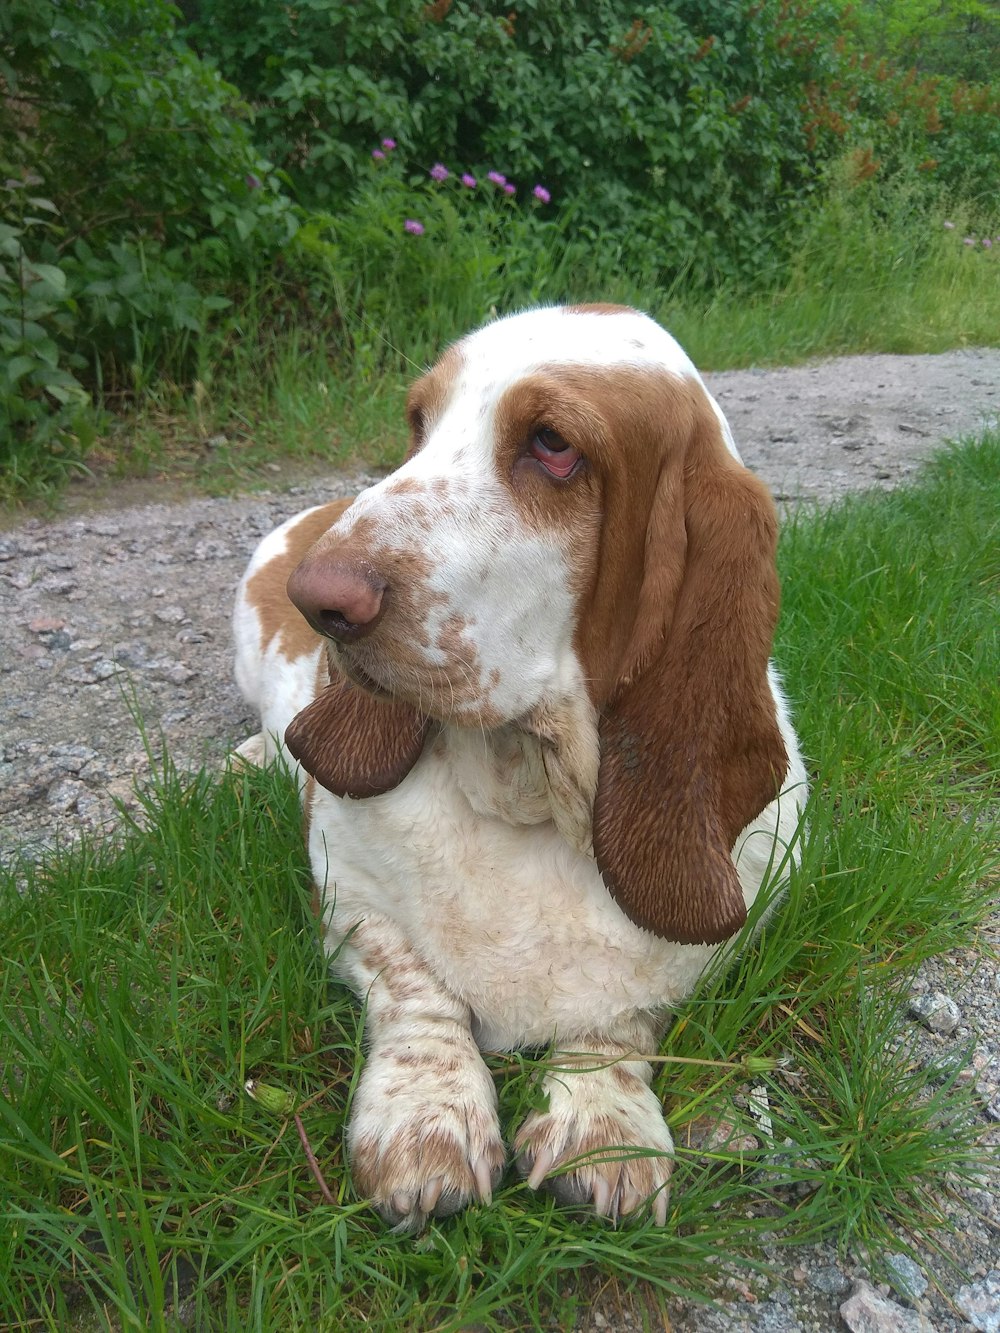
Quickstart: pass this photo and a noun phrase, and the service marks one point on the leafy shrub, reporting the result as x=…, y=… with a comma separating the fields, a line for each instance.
x=140, y=158
x=943, y=132
x=40, y=395
x=678, y=135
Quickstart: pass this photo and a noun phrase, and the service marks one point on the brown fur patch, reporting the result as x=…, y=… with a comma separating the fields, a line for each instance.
x=428, y=396
x=671, y=543
x=265, y=590
x=625, y=1079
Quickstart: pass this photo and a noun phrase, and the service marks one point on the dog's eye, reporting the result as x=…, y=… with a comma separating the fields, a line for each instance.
x=555, y=454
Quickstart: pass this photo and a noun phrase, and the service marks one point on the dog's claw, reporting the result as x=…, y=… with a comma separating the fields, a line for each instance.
x=484, y=1179
x=602, y=1198
x=541, y=1168
x=430, y=1194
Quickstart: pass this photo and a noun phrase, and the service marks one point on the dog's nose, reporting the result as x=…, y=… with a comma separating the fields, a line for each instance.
x=341, y=600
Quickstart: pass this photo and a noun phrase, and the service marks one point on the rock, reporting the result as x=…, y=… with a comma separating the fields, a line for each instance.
x=774, y=1317
x=938, y=1013
x=906, y=1277
x=727, y=1137
x=92, y=673
x=980, y=1302
x=829, y=1280
x=174, y=673
x=57, y=642
x=72, y=757
x=865, y=1311
x=64, y=794
x=58, y=585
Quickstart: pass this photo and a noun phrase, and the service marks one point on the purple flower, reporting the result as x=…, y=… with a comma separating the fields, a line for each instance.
x=378, y=155
x=949, y=226
x=541, y=193
x=969, y=240
x=496, y=178
x=413, y=227
x=253, y=182
x=439, y=172
x=509, y=188
x=389, y=144
x=469, y=181
x=988, y=244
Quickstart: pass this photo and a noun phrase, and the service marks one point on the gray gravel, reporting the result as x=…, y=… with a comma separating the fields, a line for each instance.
x=121, y=610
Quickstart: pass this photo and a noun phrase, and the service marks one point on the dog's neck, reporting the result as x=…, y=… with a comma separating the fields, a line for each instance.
x=540, y=768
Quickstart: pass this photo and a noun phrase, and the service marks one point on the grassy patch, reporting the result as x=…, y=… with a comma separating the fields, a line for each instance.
x=143, y=982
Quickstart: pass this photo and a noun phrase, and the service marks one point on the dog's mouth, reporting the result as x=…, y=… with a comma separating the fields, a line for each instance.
x=433, y=696
x=342, y=663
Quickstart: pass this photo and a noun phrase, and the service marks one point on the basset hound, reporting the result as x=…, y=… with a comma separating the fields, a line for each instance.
x=546, y=764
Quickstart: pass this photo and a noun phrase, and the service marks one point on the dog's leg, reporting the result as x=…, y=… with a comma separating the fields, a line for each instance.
x=423, y=1136
x=253, y=752
x=602, y=1141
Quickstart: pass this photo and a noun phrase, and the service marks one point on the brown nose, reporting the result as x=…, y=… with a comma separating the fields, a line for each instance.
x=339, y=599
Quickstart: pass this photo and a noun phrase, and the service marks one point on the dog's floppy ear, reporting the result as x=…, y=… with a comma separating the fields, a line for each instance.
x=353, y=743
x=690, y=747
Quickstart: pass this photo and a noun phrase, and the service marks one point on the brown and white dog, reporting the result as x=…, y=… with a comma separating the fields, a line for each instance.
x=546, y=764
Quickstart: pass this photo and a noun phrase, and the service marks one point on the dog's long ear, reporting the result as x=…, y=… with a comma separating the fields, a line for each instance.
x=690, y=747
x=353, y=743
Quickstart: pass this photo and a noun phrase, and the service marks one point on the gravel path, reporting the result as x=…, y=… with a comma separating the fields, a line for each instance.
x=126, y=607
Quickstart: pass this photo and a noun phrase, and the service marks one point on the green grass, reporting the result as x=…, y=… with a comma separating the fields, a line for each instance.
x=143, y=982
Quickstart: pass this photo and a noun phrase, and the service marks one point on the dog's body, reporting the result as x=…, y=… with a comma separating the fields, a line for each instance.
x=538, y=730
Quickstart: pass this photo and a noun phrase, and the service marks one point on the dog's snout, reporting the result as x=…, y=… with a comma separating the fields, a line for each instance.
x=342, y=600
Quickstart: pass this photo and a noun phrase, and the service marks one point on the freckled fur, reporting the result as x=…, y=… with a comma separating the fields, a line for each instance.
x=574, y=666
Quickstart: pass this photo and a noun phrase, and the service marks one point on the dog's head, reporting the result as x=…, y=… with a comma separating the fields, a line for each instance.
x=572, y=522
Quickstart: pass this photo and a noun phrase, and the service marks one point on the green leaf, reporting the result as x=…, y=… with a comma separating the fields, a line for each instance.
x=51, y=275
x=18, y=366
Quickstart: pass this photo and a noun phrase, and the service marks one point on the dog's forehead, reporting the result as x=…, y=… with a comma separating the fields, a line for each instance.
x=508, y=349
x=485, y=364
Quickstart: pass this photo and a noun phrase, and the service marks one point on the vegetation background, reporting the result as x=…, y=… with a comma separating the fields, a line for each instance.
x=231, y=224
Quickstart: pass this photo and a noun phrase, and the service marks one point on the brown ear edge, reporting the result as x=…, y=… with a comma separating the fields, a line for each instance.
x=709, y=877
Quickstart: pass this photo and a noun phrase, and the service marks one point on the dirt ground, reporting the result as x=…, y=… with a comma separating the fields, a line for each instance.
x=122, y=606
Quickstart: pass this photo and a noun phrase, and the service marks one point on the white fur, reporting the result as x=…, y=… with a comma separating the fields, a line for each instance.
x=474, y=878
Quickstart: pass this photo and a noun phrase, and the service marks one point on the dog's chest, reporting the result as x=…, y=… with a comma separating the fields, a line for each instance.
x=465, y=860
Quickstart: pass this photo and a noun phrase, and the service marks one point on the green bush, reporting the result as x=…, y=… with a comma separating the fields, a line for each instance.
x=675, y=131
x=131, y=177
x=41, y=398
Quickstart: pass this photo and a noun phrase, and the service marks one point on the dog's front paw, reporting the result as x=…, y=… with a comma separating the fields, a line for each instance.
x=424, y=1138
x=602, y=1142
